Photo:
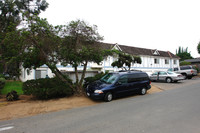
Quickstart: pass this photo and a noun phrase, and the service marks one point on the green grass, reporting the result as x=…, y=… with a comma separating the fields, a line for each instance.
x=12, y=85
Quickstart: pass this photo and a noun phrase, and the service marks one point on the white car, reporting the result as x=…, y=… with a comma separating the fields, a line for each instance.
x=166, y=76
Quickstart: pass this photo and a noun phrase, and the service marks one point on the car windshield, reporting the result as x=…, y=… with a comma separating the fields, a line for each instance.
x=170, y=73
x=109, y=78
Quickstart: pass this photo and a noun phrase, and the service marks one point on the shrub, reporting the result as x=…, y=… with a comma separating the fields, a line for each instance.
x=12, y=96
x=89, y=80
x=47, y=88
x=1, y=76
x=2, y=82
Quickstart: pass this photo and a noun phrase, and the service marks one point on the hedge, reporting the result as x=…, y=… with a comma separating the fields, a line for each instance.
x=47, y=88
x=2, y=82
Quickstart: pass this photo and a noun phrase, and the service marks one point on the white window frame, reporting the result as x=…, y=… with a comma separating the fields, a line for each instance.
x=166, y=61
x=175, y=62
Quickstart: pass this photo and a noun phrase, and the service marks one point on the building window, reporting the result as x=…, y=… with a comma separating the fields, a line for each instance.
x=175, y=62
x=156, y=61
x=166, y=61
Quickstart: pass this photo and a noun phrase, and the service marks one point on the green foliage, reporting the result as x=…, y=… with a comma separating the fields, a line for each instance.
x=79, y=47
x=12, y=85
x=15, y=11
x=1, y=66
x=2, y=76
x=183, y=54
x=89, y=80
x=125, y=59
x=12, y=13
x=2, y=82
x=11, y=49
x=46, y=88
x=12, y=96
x=198, y=48
x=41, y=44
x=196, y=68
x=184, y=63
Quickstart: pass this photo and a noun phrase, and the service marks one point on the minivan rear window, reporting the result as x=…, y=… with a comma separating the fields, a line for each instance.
x=137, y=77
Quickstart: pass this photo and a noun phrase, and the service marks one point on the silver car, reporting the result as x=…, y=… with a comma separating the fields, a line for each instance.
x=166, y=76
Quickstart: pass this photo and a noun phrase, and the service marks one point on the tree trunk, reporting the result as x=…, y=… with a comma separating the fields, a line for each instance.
x=60, y=75
x=80, y=88
x=5, y=67
x=76, y=74
x=83, y=73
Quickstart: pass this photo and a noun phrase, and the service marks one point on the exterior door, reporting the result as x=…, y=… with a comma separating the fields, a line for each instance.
x=40, y=74
x=154, y=76
x=122, y=85
x=162, y=76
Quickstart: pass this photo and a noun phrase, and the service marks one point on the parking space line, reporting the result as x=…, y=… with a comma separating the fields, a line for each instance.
x=6, y=127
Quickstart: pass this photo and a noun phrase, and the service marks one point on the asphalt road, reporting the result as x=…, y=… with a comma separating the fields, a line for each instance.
x=174, y=110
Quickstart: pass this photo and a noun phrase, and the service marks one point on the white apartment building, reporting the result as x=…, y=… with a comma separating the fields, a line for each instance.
x=152, y=60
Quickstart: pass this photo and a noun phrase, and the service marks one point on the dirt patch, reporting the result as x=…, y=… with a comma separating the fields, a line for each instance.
x=27, y=106
x=154, y=89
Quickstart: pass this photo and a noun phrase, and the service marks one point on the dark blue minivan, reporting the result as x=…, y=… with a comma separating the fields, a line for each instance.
x=118, y=84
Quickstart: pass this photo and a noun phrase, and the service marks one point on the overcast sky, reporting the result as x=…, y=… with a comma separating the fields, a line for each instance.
x=154, y=24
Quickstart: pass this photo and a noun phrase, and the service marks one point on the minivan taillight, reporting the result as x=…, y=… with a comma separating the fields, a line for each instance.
x=149, y=82
x=192, y=71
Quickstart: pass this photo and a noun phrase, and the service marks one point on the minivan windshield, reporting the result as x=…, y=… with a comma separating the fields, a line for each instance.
x=109, y=78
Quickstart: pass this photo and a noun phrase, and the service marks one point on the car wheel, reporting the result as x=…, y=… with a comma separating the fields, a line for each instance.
x=108, y=97
x=143, y=91
x=184, y=76
x=168, y=80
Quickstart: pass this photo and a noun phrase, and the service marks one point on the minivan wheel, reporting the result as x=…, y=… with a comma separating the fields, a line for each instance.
x=143, y=91
x=108, y=97
x=168, y=80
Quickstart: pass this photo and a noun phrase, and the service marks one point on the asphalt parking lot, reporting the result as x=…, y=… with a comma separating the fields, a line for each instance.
x=167, y=86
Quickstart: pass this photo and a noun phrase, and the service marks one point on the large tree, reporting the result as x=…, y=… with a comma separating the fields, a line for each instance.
x=80, y=47
x=73, y=44
x=183, y=54
x=125, y=59
x=13, y=14
x=42, y=42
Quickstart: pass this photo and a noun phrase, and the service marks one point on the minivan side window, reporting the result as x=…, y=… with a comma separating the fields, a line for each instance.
x=143, y=76
x=132, y=78
x=123, y=79
x=137, y=77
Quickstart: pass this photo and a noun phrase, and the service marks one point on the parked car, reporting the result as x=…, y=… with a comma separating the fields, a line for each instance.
x=166, y=76
x=118, y=84
x=186, y=71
